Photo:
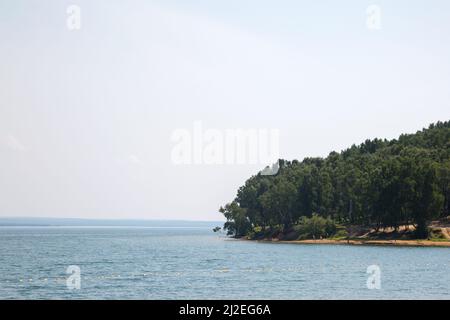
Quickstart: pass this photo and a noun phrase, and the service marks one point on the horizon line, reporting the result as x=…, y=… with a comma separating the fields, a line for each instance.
x=110, y=219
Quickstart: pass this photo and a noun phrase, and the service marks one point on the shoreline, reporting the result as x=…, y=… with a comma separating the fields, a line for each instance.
x=363, y=242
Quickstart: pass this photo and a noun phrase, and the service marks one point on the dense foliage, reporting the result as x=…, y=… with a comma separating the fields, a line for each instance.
x=379, y=183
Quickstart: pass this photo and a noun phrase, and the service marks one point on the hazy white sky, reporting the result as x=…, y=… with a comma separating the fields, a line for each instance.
x=86, y=116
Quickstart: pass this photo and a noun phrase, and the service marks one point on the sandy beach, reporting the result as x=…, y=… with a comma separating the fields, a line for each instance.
x=402, y=243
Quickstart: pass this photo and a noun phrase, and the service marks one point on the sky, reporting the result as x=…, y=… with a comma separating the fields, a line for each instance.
x=88, y=113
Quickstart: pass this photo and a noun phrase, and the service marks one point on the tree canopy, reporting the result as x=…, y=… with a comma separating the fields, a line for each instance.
x=379, y=182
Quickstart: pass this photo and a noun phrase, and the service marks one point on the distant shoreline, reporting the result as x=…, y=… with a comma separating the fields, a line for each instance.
x=85, y=222
x=395, y=243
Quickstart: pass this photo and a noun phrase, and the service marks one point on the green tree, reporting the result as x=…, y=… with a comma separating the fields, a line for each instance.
x=237, y=223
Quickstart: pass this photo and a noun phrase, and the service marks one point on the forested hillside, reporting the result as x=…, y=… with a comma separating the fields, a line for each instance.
x=378, y=183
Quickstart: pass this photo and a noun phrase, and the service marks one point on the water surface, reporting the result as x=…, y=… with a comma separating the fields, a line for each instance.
x=195, y=263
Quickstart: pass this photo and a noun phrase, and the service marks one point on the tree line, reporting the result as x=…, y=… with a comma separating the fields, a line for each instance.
x=379, y=183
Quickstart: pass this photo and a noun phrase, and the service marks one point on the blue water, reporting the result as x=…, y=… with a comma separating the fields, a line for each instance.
x=189, y=263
